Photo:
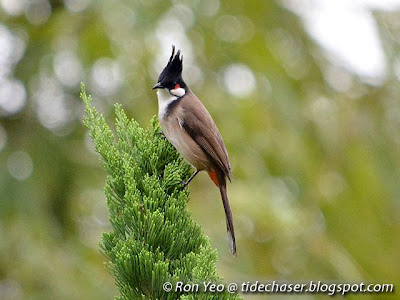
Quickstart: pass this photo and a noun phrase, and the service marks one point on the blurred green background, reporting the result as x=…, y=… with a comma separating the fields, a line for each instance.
x=305, y=93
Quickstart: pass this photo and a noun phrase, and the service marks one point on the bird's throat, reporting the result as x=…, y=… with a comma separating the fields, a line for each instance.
x=165, y=99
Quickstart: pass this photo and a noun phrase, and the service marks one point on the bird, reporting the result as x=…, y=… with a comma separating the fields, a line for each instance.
x=189, y=127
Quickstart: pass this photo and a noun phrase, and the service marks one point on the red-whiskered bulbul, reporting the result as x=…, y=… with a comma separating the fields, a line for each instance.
x=189, y=127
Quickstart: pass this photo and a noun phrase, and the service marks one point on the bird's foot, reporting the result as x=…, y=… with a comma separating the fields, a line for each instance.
x=185, y=183
x=162, y=135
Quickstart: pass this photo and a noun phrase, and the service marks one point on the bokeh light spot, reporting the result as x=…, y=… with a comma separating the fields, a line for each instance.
x=239, y=80
x=228, y=28
x=20, y=165
x=354, y=42
x=234, y=28
x=183, y=13
x=53, y=109
x=68, y=68
x=13, y=7
x=76, y=5
x=12, y=49
x=12, y=97
x=209, y=8
x=38, y=11
x=106, y=76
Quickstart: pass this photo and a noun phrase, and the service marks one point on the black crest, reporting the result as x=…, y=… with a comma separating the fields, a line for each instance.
x=173, y=69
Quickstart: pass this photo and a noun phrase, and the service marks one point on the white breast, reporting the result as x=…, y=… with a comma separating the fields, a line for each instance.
x=164, y=99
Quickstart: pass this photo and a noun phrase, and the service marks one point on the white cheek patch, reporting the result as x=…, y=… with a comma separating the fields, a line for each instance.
x=179, y=92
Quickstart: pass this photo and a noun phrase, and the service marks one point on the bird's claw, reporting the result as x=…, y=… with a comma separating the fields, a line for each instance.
x=162, y=135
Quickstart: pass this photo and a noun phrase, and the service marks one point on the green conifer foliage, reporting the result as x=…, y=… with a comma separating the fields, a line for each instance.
x=153, y=239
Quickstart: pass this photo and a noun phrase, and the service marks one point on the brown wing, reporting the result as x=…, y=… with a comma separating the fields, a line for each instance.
x=199, y=124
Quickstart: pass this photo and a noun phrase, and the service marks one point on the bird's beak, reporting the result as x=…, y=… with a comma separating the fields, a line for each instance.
x=158, y=85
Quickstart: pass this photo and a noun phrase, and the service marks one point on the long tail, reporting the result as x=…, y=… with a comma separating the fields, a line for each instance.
x=220, y=180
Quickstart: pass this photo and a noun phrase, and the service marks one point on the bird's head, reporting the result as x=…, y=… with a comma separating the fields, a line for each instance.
x=171, y=77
